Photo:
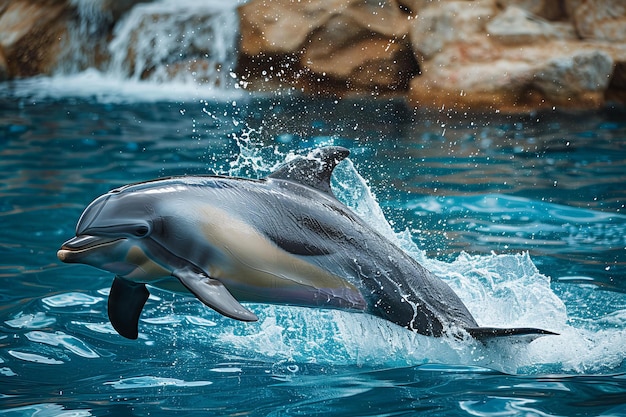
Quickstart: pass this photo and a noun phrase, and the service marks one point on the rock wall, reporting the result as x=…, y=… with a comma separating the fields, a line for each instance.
x=512, y=55
x=508, y=57
x=327, y=47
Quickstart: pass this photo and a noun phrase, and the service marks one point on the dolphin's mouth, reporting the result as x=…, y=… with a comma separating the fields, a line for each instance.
x=83, y=243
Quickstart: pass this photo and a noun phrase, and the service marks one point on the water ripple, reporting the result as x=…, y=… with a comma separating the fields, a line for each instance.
x=45, y=410
x=31, y=321
x=71, y=343
x=71, y=299
x=154, y=381
x=33, y=357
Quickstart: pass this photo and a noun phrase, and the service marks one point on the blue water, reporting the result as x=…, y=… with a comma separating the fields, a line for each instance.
x=523, y=216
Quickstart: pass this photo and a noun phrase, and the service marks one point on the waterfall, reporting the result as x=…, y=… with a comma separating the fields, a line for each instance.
x=188, y=41
x=167, y=41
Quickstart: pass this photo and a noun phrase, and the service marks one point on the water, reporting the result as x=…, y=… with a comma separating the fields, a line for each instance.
x=522, y=216
x=161, y=50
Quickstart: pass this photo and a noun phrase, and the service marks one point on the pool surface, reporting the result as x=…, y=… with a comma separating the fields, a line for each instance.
x=523, y=216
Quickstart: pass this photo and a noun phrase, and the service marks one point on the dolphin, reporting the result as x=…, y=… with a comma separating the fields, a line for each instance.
x=284, y=239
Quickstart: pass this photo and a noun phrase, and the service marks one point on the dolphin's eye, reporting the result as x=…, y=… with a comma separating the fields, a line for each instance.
x=141, y=231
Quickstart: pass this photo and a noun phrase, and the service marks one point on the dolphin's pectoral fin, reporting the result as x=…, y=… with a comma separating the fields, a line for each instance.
x=214, y=294
x=126, y=300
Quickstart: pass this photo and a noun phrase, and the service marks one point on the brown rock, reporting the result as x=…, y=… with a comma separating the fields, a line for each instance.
x=280, y=27
x=520, y=79
x=547, y=9
x=517, y=26
x=329, y=46
x=283, y=26
x=570, y=76
x=601, y=20
x=342, y=45
x=441, y=24
x=4, y=68
x=31, y=34
x=570, y=6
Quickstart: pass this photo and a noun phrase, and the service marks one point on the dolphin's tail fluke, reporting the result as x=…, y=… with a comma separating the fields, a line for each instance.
x=528, y=333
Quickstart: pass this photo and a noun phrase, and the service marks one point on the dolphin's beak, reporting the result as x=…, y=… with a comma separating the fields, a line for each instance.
x=74, y=249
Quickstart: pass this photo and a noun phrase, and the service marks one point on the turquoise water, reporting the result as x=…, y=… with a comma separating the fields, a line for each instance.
x=523, y=216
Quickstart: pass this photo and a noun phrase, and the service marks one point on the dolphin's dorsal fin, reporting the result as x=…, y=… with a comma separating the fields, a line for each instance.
x=314, y=170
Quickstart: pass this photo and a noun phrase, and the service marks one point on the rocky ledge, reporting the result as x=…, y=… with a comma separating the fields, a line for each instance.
x=511, y=55
x=514, y=55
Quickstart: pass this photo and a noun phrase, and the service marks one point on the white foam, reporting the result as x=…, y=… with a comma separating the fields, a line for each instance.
x=95, y=85
x=153, y=37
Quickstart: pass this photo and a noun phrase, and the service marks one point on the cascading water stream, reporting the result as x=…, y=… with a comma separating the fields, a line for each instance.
x=173, y=40
x=164, y=42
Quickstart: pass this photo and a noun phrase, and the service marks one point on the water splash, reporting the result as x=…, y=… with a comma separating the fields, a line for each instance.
x=500, y=290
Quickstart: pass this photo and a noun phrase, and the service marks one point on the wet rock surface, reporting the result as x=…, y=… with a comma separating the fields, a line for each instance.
x=517, y=55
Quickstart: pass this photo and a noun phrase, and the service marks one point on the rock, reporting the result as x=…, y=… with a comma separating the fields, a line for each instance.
x=38, y=36
x=557, y=73
x=342, y=47
x=570, y=76
x=601, y=20
x=326, y=46
x=274, y=28
x=547, y=9
x=280, y=26
x=31, y=35
x=570, y=6
x=504, y=54
x=477, y=56
x=517, y=26
x=4, y=66
x=444, y=23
